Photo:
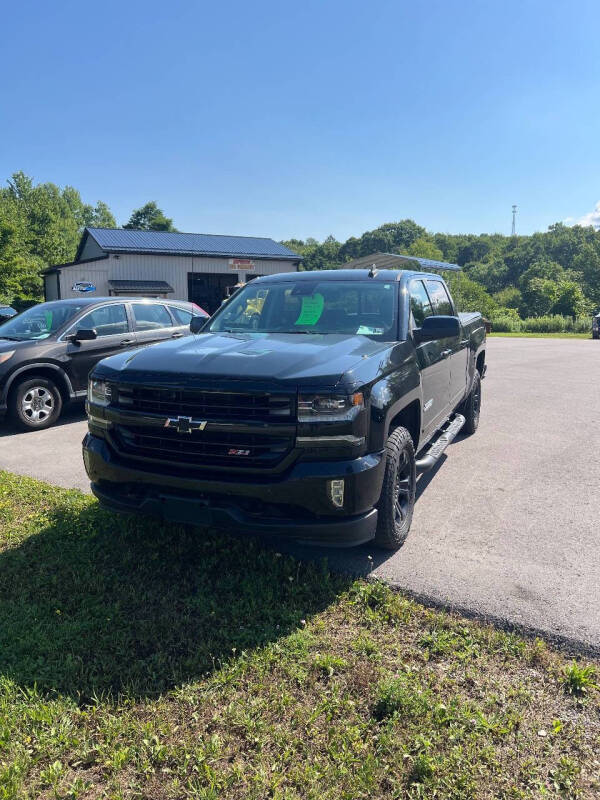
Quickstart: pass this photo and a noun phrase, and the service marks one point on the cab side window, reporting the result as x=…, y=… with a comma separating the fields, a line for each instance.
x=440, y=299
x=420, y=304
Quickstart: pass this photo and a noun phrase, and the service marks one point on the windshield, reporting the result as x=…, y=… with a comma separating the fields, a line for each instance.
x=39, y=322
x=347, y=307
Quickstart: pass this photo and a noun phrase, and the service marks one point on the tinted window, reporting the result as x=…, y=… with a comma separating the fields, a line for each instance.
x=106, y=320
x=151, y=316
x=419, y=303
x=182, y=316
x=321, y=307
x=439, y=298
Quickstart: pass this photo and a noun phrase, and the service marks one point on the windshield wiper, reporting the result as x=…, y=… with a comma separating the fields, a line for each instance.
x=11, y=338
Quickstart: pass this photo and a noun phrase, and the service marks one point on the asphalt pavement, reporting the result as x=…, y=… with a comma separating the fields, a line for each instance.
x=506, y=527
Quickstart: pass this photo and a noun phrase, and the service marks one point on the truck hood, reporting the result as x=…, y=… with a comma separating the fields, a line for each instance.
x=309, y=359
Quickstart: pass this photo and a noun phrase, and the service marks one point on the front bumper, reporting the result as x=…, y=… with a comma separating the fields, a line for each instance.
x=295, y=505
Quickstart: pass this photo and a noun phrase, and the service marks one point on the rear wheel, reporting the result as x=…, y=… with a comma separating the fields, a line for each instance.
x=35, y=404
x=472, y=406
x=397, y=499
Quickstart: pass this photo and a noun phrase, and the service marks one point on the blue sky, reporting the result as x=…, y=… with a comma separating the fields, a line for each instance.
x=310, y=118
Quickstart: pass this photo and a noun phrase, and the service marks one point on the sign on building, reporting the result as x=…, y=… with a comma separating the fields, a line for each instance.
x=245, y=264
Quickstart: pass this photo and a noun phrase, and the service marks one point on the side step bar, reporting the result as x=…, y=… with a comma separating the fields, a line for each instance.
x=435, y=452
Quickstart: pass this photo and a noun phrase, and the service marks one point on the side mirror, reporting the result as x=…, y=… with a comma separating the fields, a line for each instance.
x=83, y=335
x=439, y=328
x=197, y=323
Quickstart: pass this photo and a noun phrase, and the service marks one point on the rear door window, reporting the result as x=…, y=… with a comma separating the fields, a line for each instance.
x=182, y=317
x=440, y=299
x=151, y=316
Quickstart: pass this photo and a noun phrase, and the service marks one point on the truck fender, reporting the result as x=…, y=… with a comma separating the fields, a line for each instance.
x=389, y=397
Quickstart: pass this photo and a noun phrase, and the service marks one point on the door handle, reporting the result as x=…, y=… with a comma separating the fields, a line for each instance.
x=176, y=335
x=125, y=342
x=446, y=353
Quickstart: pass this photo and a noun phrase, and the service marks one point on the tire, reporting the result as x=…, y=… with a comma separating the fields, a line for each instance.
x=35, y=404
x=397, y=499
x=595, y=334
x=471, y=408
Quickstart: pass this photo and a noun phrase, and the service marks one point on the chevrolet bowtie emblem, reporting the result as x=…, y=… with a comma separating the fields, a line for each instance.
x=185, y=424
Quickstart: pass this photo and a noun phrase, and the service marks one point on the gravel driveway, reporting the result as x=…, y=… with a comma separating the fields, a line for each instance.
x=507, y=526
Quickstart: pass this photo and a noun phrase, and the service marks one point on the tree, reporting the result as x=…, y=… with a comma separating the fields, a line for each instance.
x=470, y=296
x=508, y=298
x=149, y=218
x=40, y=225
x=425, y=248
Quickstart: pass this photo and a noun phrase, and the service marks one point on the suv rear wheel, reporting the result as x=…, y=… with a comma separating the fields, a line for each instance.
x=397, y=500
x=35, y=404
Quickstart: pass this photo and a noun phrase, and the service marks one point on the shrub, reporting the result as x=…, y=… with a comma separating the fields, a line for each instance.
x=551, y=323
x=582, y=325
x=506, y=324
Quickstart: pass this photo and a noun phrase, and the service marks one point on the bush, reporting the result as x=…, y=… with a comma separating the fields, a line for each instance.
x=505, y=320
x=582, y=325
x=551, y=323
x=506, y=324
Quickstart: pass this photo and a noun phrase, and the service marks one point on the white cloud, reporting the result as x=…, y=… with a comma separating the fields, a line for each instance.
x=591, y=218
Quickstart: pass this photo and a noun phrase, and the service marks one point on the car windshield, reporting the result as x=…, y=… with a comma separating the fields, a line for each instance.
x=302, y=306
x=39, y=322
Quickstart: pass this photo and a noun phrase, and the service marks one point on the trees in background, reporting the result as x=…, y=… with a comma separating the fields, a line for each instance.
x=556, y=272
x=150, y=218
x=40, y=225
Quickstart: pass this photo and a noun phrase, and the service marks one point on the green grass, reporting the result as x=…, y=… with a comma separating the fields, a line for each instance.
x=140, y=660
x=525, y=334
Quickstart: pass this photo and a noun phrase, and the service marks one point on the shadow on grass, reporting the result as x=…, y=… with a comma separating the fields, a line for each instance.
x=97, y=603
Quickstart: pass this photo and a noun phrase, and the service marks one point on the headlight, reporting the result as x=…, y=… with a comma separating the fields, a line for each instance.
x=99, y=392
x=5, y=356
x=332, y=407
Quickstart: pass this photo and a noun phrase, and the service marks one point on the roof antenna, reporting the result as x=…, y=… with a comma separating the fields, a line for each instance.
x=372, y=271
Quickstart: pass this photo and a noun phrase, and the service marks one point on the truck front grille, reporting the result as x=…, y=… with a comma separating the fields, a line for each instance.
x=206, y=404
x=204, y=448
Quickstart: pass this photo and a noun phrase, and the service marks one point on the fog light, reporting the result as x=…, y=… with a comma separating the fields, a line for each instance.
x=336, y=492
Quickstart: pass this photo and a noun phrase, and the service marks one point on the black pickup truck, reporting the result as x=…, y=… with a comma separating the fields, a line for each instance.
x=305, y=407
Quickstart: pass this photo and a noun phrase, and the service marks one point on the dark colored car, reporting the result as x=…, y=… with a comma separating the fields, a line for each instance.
x=596, y=326
x=304, y=407
x=47, y=351
x=6, y=312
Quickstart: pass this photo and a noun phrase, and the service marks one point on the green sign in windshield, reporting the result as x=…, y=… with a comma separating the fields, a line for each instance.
x=311, y=310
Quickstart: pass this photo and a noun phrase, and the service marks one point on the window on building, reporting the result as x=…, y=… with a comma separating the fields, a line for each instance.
x=440, y=299
x=151, y=316
x=107, y=320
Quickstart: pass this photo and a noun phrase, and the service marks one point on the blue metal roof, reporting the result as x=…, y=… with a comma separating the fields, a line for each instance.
x=120, y=240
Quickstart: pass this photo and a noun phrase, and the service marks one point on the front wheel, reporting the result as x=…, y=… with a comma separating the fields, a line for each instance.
x=35, y=404
x=397, y=499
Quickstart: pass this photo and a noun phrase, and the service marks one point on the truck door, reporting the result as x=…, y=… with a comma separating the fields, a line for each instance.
x=434, y=363
x=460, y=346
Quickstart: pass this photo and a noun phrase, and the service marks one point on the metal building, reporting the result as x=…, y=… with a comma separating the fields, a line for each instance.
x=183, y=266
